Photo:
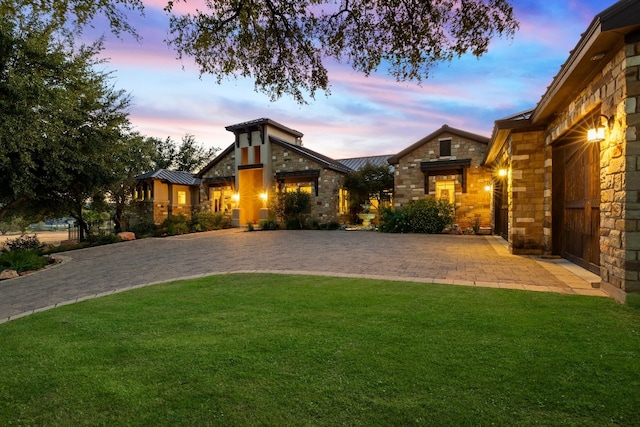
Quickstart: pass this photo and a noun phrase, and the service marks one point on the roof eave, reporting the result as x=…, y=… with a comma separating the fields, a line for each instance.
x=215, y=161
x=253, y=124
x=327, y=163
x=604, y=34
x=443, y=129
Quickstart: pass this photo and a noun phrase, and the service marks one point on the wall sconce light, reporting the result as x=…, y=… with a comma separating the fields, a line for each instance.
x=502, y=172
x=596, y=132
x=487, y=188
x=264, y=197
x=236, y=197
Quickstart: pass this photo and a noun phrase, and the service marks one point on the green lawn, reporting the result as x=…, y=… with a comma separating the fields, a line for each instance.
x=238, y=350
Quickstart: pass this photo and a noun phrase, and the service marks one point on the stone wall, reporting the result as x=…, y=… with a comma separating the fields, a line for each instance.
x=526, y=189
x=474, y=203
x=324, y=206
x=630, y=223
x=225, y=167
x=613, y=92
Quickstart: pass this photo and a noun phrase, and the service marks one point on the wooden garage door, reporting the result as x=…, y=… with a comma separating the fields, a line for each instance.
x=576, y=203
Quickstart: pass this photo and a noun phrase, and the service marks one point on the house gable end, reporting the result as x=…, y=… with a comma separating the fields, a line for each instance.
x=444, y=131
x=219, y=158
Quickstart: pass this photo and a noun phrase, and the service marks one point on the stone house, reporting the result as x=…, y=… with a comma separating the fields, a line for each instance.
x=446, y=164
x=163, y=193
x=265, y=158
x=567, y=172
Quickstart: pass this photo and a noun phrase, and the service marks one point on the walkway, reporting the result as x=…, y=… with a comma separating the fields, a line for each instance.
x=460, y=260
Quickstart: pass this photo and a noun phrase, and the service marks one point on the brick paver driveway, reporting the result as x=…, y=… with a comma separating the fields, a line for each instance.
x=465, y=260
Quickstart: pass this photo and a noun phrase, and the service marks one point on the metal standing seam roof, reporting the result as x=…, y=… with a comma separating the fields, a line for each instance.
x=356, y=163
x=173, y=177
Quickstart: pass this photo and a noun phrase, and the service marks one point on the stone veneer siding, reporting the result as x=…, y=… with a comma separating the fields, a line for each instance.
x=526, y=185
x=409, y=179
x=159, y=208
x=225, y=167
x=615, y=90
x=324, y=207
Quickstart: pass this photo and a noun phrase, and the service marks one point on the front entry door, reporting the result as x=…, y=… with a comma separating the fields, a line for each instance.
x=576, y=203
x=501, y=209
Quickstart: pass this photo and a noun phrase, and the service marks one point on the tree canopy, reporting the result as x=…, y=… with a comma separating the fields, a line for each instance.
x=60, y=124
x=187, y=156
x=284, y=46
x=368, y=183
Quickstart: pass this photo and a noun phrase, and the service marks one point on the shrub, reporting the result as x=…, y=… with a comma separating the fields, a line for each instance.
x=207, y=221
x=421, y=216
x=106, y=239
x=176, y=224
x=332, y=225
x=269, y=224
x=24, y=243
x=143, y=229
x=292, y=208
x=393, y=221
x=22, y=260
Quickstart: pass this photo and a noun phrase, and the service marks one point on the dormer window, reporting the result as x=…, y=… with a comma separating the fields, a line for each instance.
x=445, y=147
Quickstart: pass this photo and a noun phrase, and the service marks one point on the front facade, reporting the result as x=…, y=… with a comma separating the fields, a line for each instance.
x=267, y=158
x=163, y=193
x=446, y=164
x=563, y=177
x=571, y=180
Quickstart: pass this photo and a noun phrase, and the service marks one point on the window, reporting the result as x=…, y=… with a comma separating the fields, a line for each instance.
x=445, y=148
x=182, y=197
x=256, y=155
x=221, y=199
x=292, y=188
x=244, y=151
x=446, y=190
x=343, y=203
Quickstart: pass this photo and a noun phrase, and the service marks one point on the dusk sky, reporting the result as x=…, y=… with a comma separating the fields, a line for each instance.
x=363, y=115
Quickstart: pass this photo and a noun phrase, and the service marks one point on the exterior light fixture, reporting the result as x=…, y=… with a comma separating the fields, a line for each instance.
x=596, y=132
x=264, y=196
x=236, y=197
x=487, y=188
x=502, y=172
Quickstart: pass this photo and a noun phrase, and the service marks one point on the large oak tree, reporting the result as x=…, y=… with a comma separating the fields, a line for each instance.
x=60, y=122
x=284, y=45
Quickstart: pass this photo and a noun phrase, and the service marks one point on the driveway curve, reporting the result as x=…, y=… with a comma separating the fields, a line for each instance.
x=463, y=260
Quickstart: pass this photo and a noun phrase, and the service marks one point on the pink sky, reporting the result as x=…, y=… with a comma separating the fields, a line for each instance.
x=362, y=116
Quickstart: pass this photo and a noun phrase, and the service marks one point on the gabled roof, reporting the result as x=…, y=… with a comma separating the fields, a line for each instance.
x=595, y=48
x=357, y=163
x=501, y=130
x=254, y=124
x=216, y=160
x=597, y=45
x=323, y=160
x=172, y=177
x=444, y=129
